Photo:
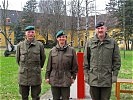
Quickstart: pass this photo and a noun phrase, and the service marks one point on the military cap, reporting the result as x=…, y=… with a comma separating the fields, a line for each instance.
x=99, y=24
x=60, y=33
x=30, y=28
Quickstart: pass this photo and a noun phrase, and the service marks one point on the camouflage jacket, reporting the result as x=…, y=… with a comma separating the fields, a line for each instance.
x=62, y=66
x=30, y=58
x=101, y=61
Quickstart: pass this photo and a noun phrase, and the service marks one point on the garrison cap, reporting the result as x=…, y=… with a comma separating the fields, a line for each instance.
x=30, y=28
x=60, y=33
x=99, y=24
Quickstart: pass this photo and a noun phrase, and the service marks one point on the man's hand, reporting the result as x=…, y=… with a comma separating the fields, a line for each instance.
x=114, y=79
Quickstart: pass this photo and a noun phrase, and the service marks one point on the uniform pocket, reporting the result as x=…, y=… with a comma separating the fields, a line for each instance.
x=68, y=74
x=35, y=72
x=109, y=47
x=23, y=55
x=93, y=76
x=54, y=58
x=53, y=78
x=93, y=46
x=67, y=59
x=107, y=53
x=93, y=50
x=67, y=78
x=36, y=56
x=68, y=56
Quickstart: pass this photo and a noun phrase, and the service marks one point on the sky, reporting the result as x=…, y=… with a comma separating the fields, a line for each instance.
x=19, y=4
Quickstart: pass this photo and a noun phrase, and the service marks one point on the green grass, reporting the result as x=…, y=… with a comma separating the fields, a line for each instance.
x=9, y=76
x=127, y=65
x=126, y=72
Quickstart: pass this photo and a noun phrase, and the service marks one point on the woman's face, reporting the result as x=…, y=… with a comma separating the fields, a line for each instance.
x=62, y=40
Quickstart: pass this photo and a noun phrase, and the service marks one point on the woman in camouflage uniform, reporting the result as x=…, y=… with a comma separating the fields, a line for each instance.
x=61, y=68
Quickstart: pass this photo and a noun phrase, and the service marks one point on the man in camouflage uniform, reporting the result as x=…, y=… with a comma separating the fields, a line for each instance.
x=30, y=58
x=101, y=63
x=61, y=68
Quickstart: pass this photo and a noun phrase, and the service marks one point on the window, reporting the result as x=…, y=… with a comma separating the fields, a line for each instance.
x=8, y=20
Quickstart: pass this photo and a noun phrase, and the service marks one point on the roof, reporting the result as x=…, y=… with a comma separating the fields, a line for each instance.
x=15, y=15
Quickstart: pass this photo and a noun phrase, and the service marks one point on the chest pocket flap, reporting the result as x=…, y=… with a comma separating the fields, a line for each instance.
x=54, y=57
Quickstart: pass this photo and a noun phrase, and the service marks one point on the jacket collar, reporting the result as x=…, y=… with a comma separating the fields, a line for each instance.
x=61, y=49
x=31, y=43
x=106, y=39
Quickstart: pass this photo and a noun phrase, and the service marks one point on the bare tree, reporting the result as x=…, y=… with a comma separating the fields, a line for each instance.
x=73, y=23
x=29, y=12
x=3, y=21
x=122, y=10
x=44, y=22
x=89, y=6
x=52, y=18
x=76, y=13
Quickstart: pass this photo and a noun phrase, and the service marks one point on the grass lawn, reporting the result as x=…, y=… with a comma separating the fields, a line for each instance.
x=9, y=76
x=126, y=71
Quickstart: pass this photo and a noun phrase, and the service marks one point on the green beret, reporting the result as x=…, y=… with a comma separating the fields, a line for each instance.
x=30, y=28
x=99, y=24
x=60, y=33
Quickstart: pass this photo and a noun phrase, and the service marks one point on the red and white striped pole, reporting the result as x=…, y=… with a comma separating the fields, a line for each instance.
x=80, y=77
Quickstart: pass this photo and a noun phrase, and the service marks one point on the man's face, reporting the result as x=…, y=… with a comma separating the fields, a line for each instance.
x=30, y=34
x=62, y=39
x=100, y=31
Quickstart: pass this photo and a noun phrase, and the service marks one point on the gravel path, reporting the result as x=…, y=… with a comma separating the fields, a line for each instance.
x=48, y=95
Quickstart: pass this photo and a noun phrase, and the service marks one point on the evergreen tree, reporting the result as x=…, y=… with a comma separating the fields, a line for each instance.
x=28, y=16
x=19, y=34
x=123, y=11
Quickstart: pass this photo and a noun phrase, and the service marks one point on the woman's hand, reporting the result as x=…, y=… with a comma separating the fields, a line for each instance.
x=72, y=80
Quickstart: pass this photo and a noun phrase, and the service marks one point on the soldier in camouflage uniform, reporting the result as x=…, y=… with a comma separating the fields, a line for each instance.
x=61, y=68
x=101, y=63
x=30, y=58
